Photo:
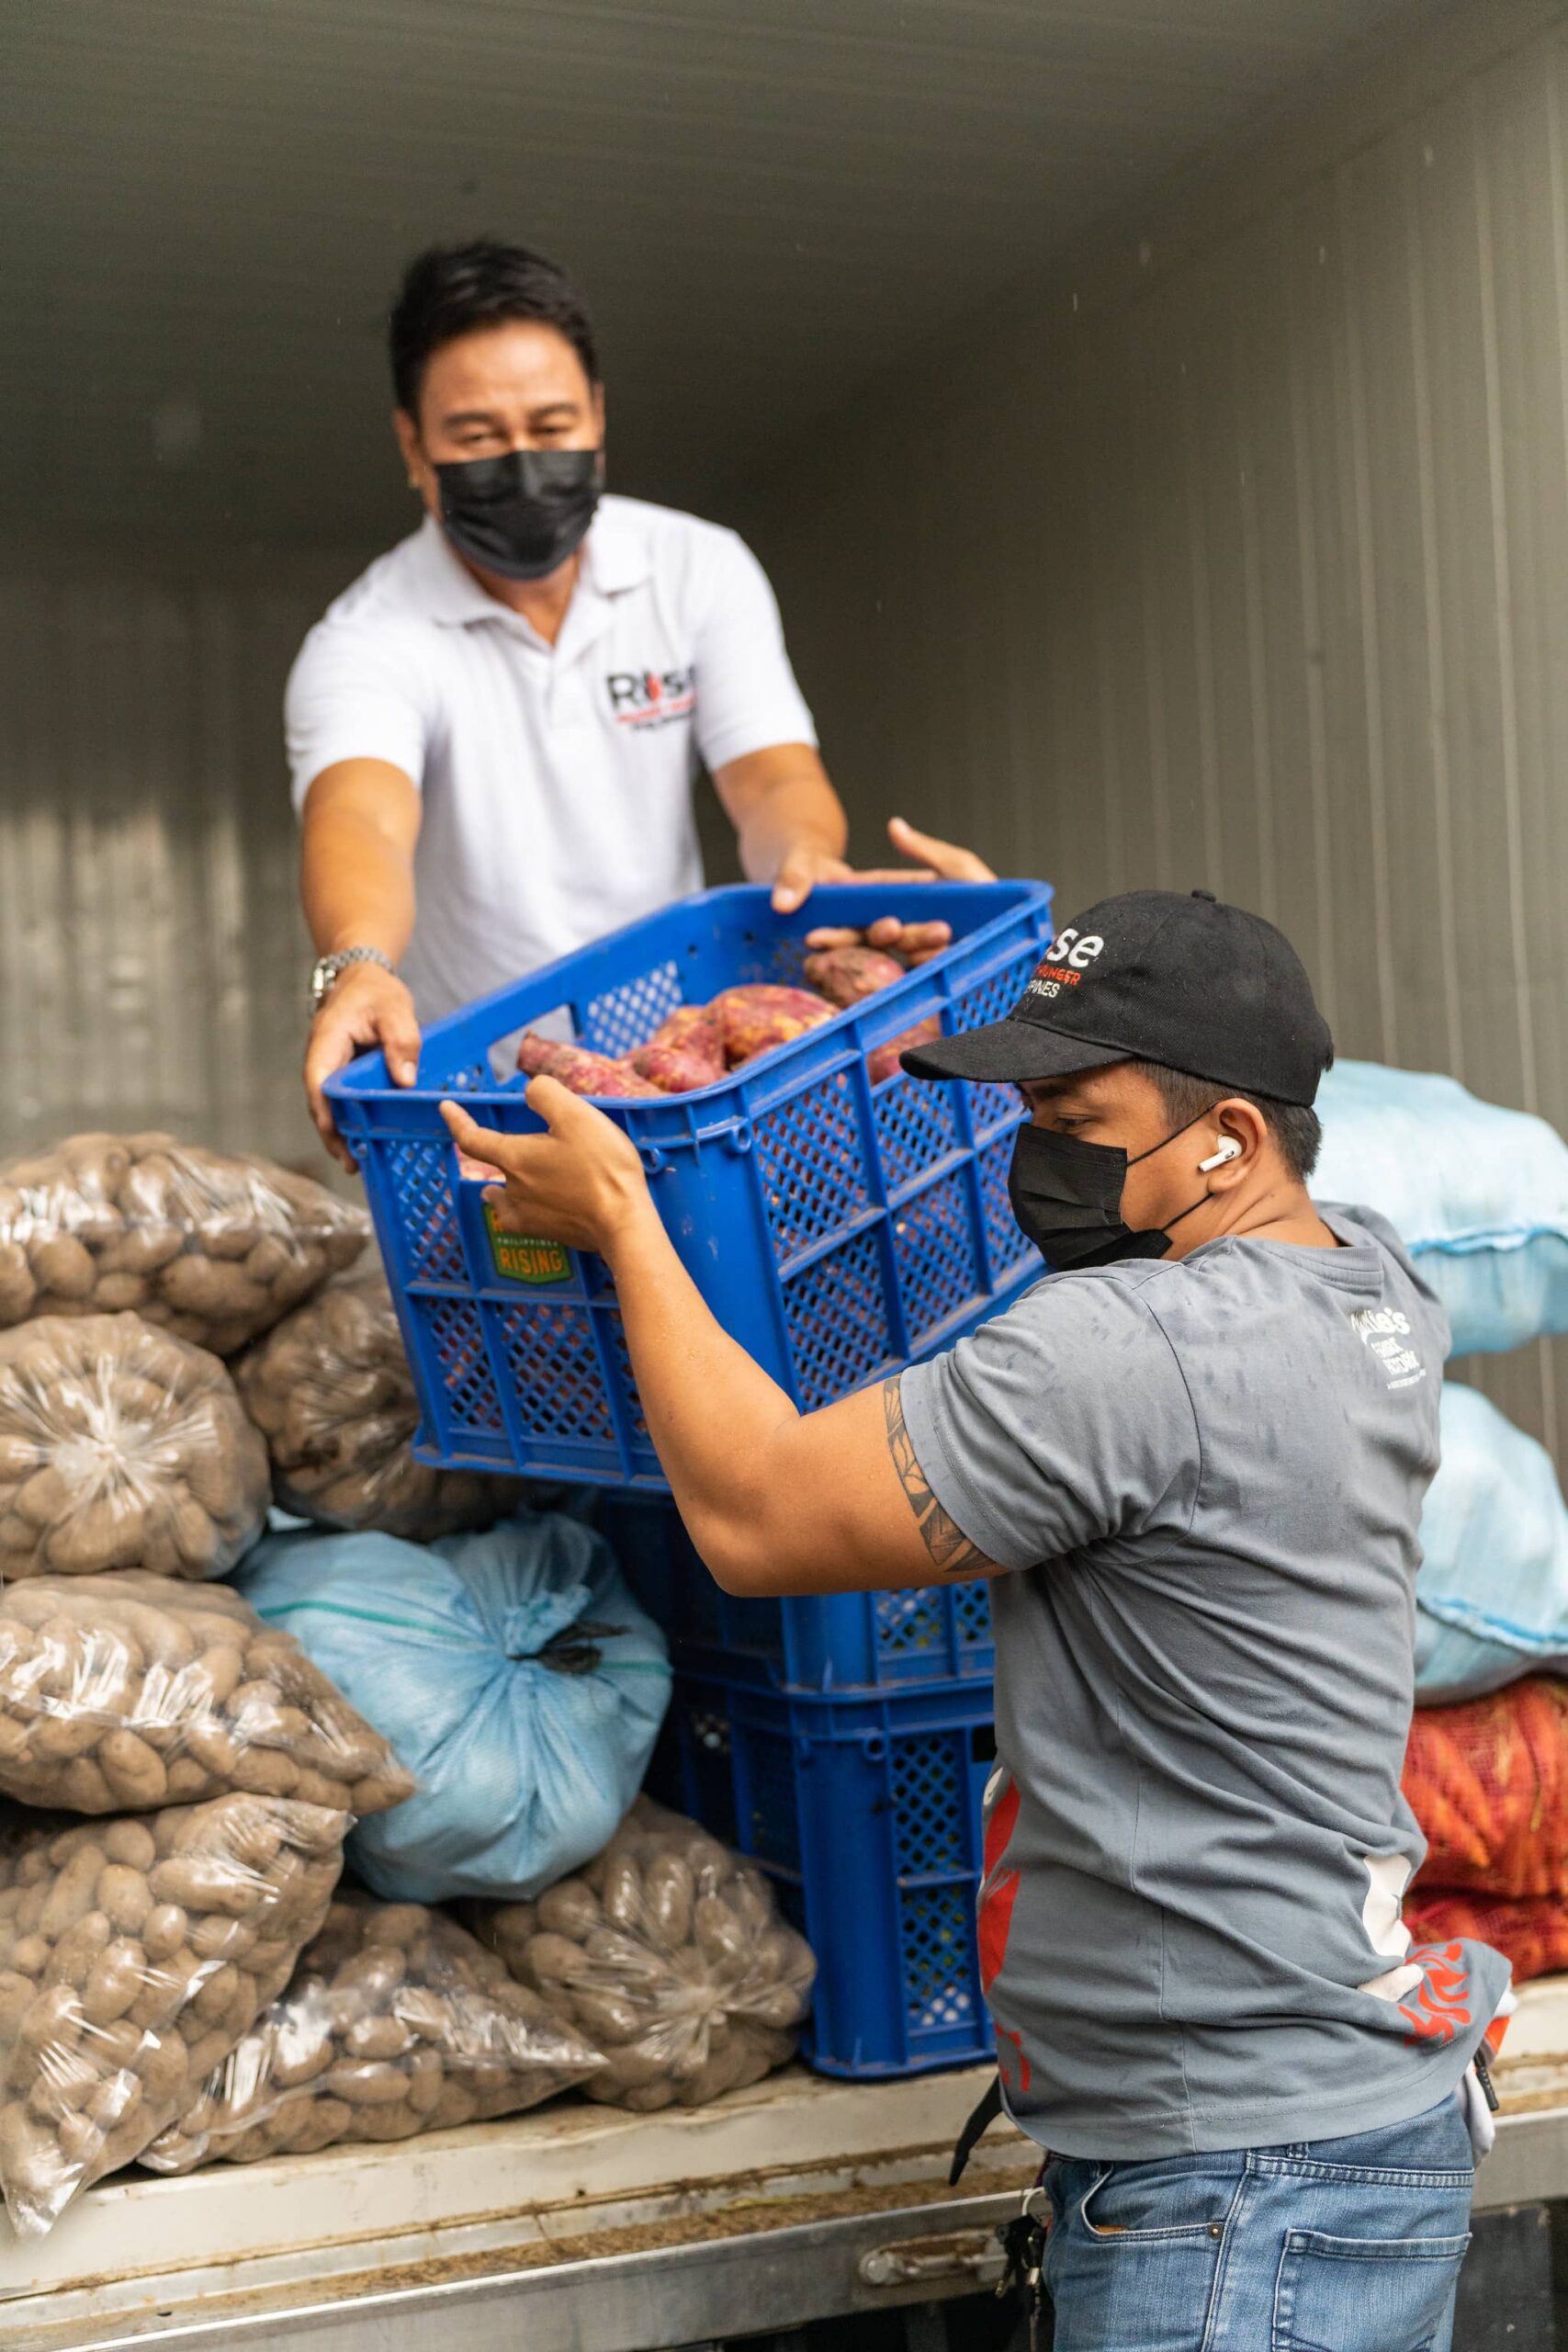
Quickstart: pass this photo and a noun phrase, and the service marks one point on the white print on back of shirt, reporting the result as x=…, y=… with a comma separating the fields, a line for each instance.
x=1384, y=1330
x=1386, y=1932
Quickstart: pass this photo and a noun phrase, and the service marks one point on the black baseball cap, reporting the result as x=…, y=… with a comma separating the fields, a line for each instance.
x=1159, y=976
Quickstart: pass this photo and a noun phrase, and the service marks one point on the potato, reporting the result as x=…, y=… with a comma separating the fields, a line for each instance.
x=63, y=1265
x=395, y=2022
x=759, y=1016
x=231, y=1242
x=845, y=975
x=670, y=1892
x=569, y=1909
x=124, y=1898
x=115, y=1420
x=669, y=1952
x=117, y=1975
x=18, y=1286
x=332, y=1392
x=117, y=2018
x=125, y=1692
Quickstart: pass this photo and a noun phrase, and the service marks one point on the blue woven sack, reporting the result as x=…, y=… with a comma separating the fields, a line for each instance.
x=1492, y=1597
x=513, y=1673
x=1478, y=1194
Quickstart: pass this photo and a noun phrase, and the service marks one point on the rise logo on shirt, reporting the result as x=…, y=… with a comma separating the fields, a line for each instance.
x=649, y=699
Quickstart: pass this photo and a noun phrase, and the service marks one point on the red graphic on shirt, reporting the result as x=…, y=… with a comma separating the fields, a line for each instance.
x=998, y=1893
x=1438, y=2008
x=1004, y=2036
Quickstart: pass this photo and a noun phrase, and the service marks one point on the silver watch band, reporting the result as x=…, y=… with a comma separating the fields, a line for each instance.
x=329, y=969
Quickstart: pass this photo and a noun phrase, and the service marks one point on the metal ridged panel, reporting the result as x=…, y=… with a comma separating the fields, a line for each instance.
x=1260, y=581
x=208, y=207
x=152, y=958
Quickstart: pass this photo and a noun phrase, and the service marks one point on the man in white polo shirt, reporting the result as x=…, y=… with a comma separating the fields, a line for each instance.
x=494, y=733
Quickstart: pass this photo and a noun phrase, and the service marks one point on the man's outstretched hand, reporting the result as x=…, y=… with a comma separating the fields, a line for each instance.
x=581, y=1182
x=934, y=861
x=366, y=1006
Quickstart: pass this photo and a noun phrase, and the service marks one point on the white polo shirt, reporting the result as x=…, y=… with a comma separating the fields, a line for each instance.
x=557, y=779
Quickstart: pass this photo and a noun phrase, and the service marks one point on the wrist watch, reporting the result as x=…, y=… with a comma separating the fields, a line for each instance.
x=328, y=968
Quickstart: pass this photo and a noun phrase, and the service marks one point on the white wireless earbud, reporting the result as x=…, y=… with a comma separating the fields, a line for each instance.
x=1230, y=1149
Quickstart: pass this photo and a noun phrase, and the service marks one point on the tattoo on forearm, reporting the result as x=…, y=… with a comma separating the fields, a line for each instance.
x=942, y=1537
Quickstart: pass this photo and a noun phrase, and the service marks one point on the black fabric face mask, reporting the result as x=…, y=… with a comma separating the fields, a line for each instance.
x=1066, y=1196
x=521, y=514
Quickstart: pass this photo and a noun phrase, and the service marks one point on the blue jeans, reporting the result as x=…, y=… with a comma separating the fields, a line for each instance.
x=1333, y=2245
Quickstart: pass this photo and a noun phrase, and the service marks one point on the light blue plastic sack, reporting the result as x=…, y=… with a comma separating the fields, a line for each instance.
x=1492, y=1597
x=513, y=1673
x=1478, y=1194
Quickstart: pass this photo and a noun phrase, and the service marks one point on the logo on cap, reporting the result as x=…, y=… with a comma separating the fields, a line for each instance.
x=1065, y=962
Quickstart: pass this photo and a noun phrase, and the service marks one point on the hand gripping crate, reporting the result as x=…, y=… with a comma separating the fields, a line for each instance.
x=865, y=1813
x=817, y=1642
x=836, y=1229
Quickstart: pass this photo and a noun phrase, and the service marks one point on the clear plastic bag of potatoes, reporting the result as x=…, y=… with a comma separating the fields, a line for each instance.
x=331, y=1391
x=120, y=1693
x=133, y=1955
x=214, y=1246
x=121, y=1447
x=669, y=1952
x=395, y=2022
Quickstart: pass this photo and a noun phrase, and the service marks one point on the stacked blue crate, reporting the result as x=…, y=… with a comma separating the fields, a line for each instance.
x=844, y=1742
x=841, y=1227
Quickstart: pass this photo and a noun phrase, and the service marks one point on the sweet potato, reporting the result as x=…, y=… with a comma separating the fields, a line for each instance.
x=845, y=975
x=676, y=1069
x=692, y=1029
x=759, y=1016
x=575, y=1068
x=883, y=1061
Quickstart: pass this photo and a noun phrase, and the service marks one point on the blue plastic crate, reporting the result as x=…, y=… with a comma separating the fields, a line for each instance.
x=822, y=1641
x=865, y=1813
x=838, y=1229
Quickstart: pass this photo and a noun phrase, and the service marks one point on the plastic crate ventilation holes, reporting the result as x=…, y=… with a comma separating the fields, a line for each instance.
x=838, y=1229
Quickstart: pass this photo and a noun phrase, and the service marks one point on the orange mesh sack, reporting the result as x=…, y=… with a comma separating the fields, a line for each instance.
x=1488, y=1783
x=1530, y=1930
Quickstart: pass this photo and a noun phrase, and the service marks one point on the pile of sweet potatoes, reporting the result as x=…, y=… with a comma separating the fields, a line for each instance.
x=697, y=1046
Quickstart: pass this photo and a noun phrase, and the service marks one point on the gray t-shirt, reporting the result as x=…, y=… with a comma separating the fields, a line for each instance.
x=1208, y=1474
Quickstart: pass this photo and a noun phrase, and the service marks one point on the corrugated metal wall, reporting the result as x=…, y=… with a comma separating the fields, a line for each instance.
x=152, y=958
x=1258, y=575
x=1258, y=580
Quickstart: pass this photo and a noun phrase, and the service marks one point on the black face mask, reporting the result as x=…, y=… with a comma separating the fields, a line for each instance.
x=1066, y=1196
x=523, y=514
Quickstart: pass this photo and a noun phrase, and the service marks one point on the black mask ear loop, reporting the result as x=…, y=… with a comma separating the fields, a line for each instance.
x=1182, y=1130
x=1066, y=1196
x=1176, y=1220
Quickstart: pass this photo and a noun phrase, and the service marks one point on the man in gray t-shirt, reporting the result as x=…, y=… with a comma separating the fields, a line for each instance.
x=1193, y=1458
x=1209, y=1475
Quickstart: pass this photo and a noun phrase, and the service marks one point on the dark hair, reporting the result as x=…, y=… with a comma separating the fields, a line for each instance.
x=448, y=290
x=1295, y=1127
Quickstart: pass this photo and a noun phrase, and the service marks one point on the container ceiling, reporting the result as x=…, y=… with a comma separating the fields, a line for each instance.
x=768, y=201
